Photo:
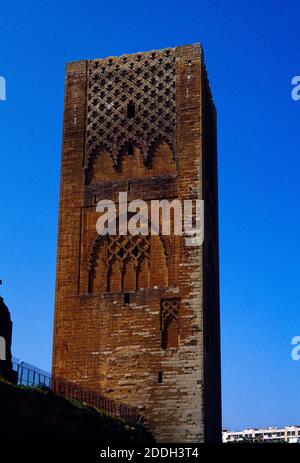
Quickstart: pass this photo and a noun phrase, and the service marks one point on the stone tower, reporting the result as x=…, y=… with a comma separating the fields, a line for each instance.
x=137, y=317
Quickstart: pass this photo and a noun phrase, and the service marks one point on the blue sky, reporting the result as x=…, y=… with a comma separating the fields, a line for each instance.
x=252, y=52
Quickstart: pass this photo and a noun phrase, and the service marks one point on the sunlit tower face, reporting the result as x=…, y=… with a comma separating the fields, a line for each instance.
x=137, y=317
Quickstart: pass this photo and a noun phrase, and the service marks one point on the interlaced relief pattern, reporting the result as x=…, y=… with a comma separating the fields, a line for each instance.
x=131, y=101
x=169, y=311
x=169, y=322
x=124, y=248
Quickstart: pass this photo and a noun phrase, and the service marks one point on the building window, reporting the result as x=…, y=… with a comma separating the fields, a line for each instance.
x=126, y=298
x=160, y=377
x=130, y=110
x=169, y=313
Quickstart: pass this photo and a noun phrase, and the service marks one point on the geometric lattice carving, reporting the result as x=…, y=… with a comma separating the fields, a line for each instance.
x=169, y=312
x=126, y=263
x=122, y=261
x=131, y=101
x=124, y=248
x=169, y=308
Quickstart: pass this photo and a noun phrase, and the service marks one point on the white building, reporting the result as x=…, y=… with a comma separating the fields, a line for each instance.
x=289, y=434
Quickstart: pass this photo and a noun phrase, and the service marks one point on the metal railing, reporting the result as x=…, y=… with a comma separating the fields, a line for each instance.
x=28, y=375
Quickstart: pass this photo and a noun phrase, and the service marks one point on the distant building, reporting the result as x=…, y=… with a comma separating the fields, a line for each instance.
x=290, y=434
x=6, y=369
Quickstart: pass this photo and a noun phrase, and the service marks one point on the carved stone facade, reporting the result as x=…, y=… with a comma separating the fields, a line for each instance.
x=137, y=317
x=131, y=101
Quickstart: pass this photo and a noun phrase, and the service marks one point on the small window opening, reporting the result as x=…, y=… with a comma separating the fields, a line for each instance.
x=121, y=253
x=135, y=251
x=160, y=377
x=130, y=110
x=126, y=298
x=130, y=150
x=128, y=186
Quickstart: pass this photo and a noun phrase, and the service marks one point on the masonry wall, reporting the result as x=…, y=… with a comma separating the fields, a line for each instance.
x=137, y=318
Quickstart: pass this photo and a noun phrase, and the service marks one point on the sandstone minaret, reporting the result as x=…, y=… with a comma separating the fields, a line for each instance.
x=137, y=317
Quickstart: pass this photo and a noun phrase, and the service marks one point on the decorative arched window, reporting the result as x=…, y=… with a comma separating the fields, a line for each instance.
x=169, y=313
x=123, y=263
